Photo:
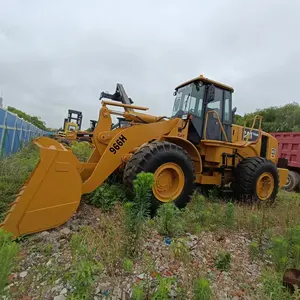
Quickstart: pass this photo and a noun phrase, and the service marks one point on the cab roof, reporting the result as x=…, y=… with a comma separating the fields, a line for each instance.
x=206, y=80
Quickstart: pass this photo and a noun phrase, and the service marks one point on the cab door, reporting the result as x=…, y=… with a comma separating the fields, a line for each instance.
x=227, y=115
x=221, y=105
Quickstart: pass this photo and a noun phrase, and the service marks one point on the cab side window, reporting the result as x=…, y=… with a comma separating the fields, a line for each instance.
x=216, y=104
x=227, y=110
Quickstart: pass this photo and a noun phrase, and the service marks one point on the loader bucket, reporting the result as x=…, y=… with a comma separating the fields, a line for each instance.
x=50, y=196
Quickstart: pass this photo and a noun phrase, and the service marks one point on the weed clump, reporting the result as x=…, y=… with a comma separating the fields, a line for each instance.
x=202, y=290
x=169, y=220
x=180, y=250
x=137, y=212
x=84, y=266
x=138, y=292
x=106, y=196
x=254, y=250
x=164, y=288
x=223, y=260
x=229, y=215
x=8, y=253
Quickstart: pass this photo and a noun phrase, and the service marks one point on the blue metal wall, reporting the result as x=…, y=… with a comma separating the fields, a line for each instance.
x=15, y=133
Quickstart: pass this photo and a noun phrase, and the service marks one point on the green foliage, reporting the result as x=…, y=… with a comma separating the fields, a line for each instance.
x=279, y=253
x=169, y=220
x=285, y=250
x=8, y=253
x=138, y=292
x=180, y=249
x=82, y=150
x=127, y=265
x=84, y=266
x=214, y=194
x=163, y=289
x=272, y=287
x=229, y=215
x=82, y=278
x=293, y=238
x=202, y=290
x=14, y=170
x=254, y=249
x=106, y=196
x=137, y=212
x=255, y=222
x=223, y=260
x=36, y=121
x=202, y=215
x=285, y=118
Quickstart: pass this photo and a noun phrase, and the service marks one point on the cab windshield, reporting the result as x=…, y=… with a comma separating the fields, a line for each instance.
x=72, y=128
x=189, y=99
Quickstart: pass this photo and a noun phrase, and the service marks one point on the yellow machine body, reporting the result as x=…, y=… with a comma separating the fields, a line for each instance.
x=53, y=192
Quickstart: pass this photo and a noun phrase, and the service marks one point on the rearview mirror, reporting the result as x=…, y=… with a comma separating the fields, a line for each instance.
x=233, y=114
x=210, y=93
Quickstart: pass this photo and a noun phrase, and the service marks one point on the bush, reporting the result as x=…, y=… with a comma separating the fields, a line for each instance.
x=106, y=196
x=180, y=249
x=82, y=150
x=223, y=260
x=169, y=220
x=8, y=253
x=164, y=288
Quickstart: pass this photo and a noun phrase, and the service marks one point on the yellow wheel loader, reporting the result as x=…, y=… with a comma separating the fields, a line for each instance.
x=198, y=144
x=72, y=129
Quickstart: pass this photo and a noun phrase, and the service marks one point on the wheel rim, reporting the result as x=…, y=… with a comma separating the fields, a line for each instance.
x=288, y=181
x=168, y=182
x=265, y=186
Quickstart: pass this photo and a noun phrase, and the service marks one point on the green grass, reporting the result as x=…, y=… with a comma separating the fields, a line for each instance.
x=274, y=231
x=8, y=253
x=82, y=150
x=14, y=170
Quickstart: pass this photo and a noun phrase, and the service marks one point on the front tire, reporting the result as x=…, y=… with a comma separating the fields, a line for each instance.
x=173, y=170
x=257, y=179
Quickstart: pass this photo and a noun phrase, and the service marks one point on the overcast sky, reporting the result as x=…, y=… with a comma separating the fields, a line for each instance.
x=56, y=55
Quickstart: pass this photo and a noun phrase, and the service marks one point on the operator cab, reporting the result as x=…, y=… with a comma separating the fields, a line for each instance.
x=71, y=128
x=196, y=98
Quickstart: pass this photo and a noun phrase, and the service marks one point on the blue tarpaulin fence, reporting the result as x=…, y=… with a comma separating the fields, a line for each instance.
x=15, y=133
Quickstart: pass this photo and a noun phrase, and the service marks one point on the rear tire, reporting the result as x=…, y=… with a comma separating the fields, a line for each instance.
x=292, y=181
x=172, y=168
x=256, y=179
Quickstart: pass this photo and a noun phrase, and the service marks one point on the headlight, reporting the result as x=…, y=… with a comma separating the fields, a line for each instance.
x=184, y=117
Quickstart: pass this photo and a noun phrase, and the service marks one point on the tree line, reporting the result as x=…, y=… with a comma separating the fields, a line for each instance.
x=275, y=119
x=36, y=121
